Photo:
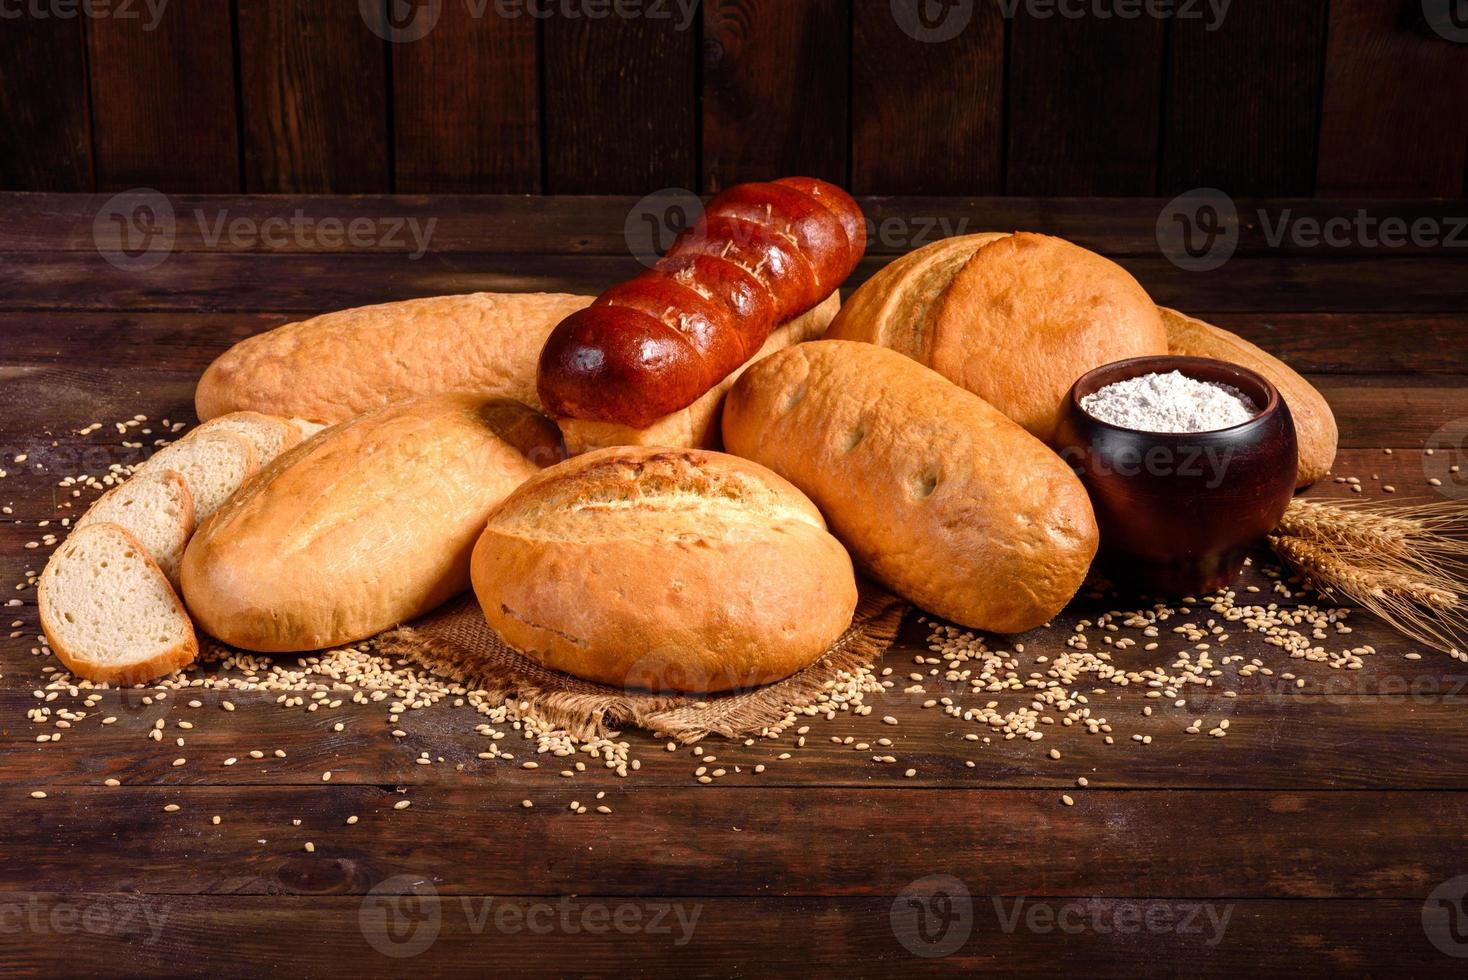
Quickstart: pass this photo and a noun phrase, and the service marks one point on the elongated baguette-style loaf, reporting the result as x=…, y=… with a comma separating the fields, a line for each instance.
x=1315, y=427
x=664, y=570
x=367, y=525
x=339, y=365
x=935, y=492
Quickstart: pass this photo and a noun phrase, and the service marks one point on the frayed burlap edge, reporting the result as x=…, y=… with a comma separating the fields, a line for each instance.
x=456, y=641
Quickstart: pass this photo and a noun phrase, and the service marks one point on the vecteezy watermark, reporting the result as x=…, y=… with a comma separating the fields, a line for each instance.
x=406, y=21
x=908, y=232
x=657, y=220
x=403, y=916
x=933, y=916
x=1199, y=230
x=135, y=921
x=1212, y=12
x=933, y=21
x=1203, y=920
x=1448, y=18
x=149, y=12
x=1205, y=460
x=138, y=229
x=1445, y=917
x=1444, y=455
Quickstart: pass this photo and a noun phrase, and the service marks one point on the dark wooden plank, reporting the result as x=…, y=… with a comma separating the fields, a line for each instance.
x=775, y=83
x=1273, y=743
x=1395, y=107
x=769, y=937
x=1355, y=343
x=45, y=129
x=1243, y=99
x=314, y=92
x=679, y=842
x=597, y=225
x=163, y=101
x=1084, y=105
x=466, y=106
x=927, y=104
x=620, y=103
x=211, y=282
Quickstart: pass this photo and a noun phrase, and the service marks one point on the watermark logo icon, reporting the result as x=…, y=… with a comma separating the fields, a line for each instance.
x=934, y=916
x=933, y=21
x=135, y=230
x=401, y=916
x=400, y=21
x=1443, y=456
x=1198, y=231
x=658, y=219
x=1448, y=18
x=1445, y=917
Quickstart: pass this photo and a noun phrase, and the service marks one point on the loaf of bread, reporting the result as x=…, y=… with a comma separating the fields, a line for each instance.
x=1015, y=319
x=367, y=525
x=697, y=426
x=937, y=494
x=664, y=570
x=1315, y=428
x=339, y=365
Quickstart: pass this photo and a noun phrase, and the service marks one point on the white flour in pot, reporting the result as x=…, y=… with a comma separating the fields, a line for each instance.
x=1170, y=403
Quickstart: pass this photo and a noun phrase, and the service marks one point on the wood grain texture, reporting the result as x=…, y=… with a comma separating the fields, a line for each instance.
x=620, y=103
x=1243, y=97
x=775, y=80
x=314, y=97
x=45, y=130
x=163, y=101
x=466, y=106
x=927, y=110
x=1084, y=105
x=1394, y=117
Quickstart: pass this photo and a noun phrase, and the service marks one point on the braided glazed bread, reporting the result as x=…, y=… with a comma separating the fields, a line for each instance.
x=761, y=255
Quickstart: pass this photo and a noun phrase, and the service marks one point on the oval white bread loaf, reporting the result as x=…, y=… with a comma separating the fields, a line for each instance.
x=1015, y=319
x=664, y=570
x=937, y=494
x=1315, y=427
x=109, y=613
x=339, y=365
x=364, y=526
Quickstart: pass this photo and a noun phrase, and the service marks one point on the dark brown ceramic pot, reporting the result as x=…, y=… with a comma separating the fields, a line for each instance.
x=1179, y=512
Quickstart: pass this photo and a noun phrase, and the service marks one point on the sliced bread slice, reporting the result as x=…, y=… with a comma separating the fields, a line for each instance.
x=108, y=611
x=306, y=427
x=156, y=508
x=213, y=464
x=271, y=435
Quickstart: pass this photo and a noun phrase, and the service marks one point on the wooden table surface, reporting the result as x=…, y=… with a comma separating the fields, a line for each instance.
x=1323, y=834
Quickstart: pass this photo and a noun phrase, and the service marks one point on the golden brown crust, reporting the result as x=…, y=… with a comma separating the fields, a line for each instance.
x=1315, y=425
x=664, y=569
x=697, y=426
x=937, y=494
x=339, y=365
x=365, y=526
x=1013, y=318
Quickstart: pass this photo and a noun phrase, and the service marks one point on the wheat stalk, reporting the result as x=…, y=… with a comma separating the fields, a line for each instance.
x=1406, y=564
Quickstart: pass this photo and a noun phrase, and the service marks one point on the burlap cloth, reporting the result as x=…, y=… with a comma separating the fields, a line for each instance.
x=456, y=637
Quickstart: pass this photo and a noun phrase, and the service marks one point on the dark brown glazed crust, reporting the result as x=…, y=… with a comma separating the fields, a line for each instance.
x=761, y=255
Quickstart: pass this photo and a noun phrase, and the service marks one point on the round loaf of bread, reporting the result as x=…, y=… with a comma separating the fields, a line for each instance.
x=938, y=495
x=1015, y=319
x=664, y=570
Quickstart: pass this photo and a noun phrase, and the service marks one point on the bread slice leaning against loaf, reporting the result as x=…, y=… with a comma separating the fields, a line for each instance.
x=337, y=366
x=213, y=464
x=154, y=507
x=937, y=494
x=108, y=611
x=697, y=426
x=270, y=435
x=1315, y=427
x=664, y=570
x=367, y=525
x=1015, y=319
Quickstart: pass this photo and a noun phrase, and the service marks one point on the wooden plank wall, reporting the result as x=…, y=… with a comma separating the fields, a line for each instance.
x=953, y=97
